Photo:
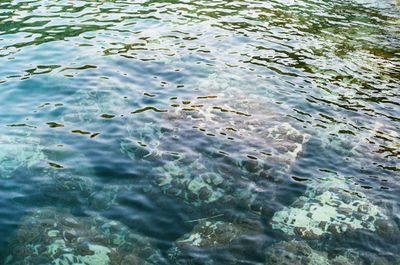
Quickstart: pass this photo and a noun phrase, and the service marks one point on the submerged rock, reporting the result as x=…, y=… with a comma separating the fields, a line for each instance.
x=261, y=132
x=300, y=253
x=106, y=197
x=330, y=207
x=200, y=183
x=287, y=144
x=19, y=153
x=190, y=182
x=65, y=183
x=357, y=147
x=295, y=252
x=210, y=234
x=221, y=146
x=70, y=187
x=149, y=151
x=89, y=105
x=208, y=239
x=48, y=236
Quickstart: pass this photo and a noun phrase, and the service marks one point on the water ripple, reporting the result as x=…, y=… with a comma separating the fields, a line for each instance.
x=168, y=115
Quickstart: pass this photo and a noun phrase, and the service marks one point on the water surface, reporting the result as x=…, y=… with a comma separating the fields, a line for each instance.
x=165, y=115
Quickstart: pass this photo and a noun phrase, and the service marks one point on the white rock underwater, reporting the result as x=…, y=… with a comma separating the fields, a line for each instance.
x=266, y=149
x=330, y=207
x=48, y=236
x=18, y=153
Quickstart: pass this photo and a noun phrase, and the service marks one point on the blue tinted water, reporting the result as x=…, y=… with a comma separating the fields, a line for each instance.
x=212, y=132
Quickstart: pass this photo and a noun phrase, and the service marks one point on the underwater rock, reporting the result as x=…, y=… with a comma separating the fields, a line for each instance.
x=68, y=189
x=210, y=234
x=105, y=198
x=211, y=184
x=64, y=183
x=225, y=113
x=18, y=153
x=89, y=104
x=294, y=252
x=374, y=142
x=82, y=190
x=190, y=183
x=210, y=238
x=285, y=144
x=144, y=142
x=102, y=200
x=134, y=151
x=267, y=147
x=386, y=139
x=357, y=257
x=260, y=129
x=152, y=151
x=330, y=207
x=48, y=236
x=199, y=185
x=299, y=252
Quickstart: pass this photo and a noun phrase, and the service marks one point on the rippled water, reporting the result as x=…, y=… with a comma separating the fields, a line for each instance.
x=216, y=132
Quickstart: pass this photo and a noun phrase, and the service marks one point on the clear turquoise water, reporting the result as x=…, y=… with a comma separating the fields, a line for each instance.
x=112, y=108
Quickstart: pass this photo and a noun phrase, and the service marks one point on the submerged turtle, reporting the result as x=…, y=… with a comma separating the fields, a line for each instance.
x=19, y=153
x=48, y=236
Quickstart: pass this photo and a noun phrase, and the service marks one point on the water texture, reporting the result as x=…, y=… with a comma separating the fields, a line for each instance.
x=199, y=132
